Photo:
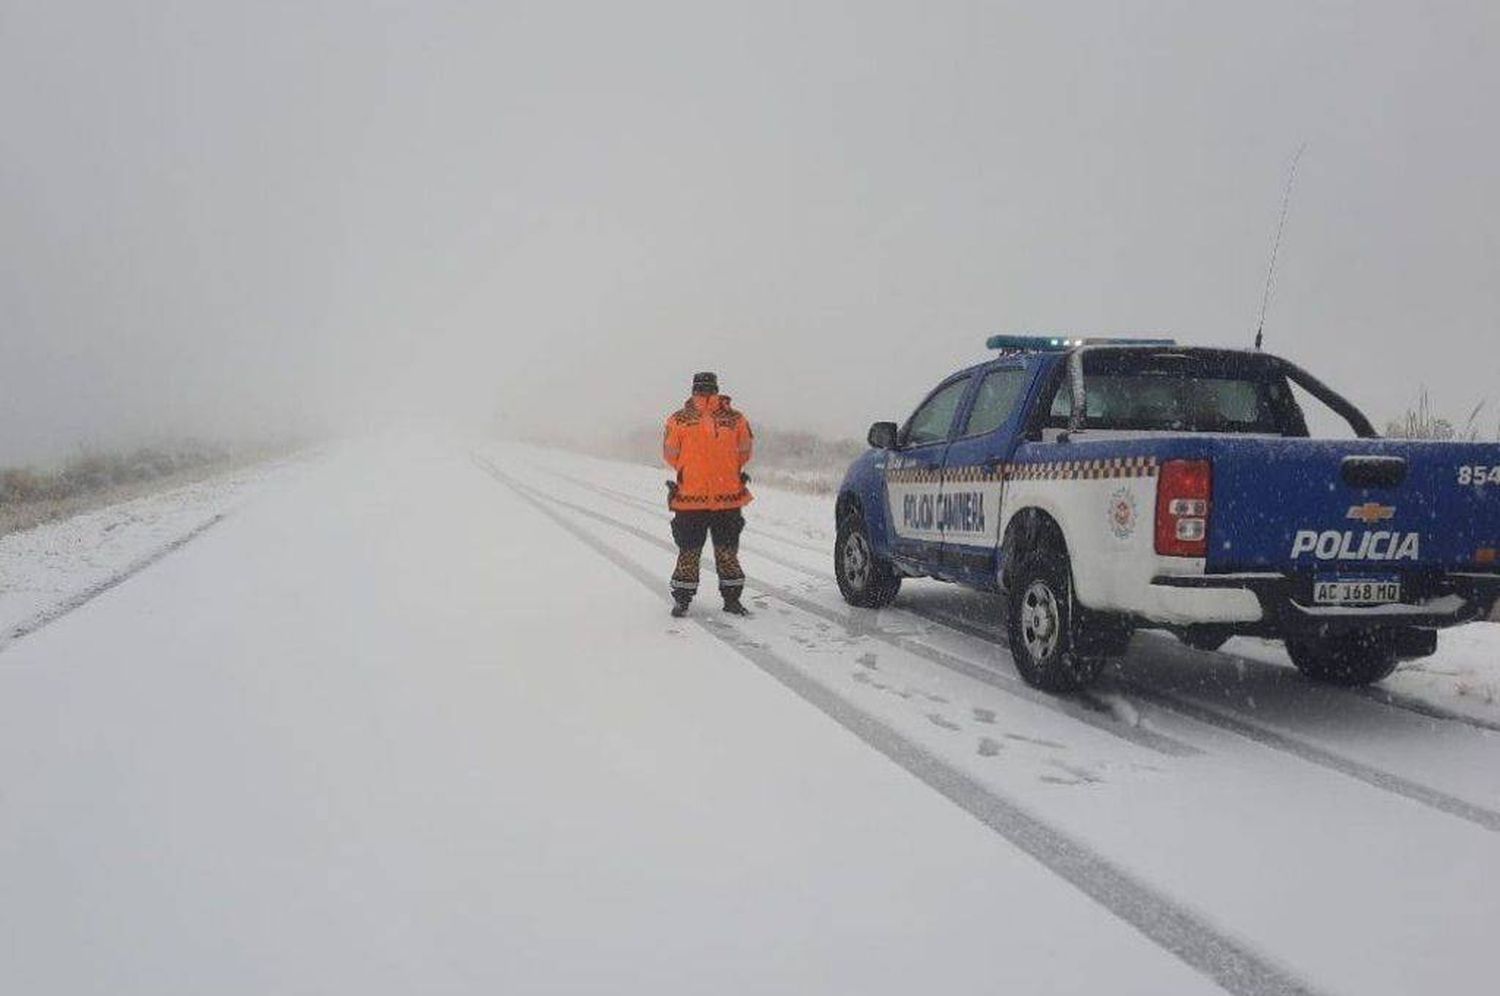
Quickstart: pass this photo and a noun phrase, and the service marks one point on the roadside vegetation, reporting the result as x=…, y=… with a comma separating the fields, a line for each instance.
x=1422, y=421
x=30, y=496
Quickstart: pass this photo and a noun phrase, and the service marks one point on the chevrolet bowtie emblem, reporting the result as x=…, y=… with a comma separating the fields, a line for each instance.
x=1371, y=512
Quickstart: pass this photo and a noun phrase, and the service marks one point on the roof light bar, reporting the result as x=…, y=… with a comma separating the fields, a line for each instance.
x=1035, y=343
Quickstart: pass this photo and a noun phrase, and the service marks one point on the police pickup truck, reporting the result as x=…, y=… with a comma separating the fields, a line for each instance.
x=1104, y=485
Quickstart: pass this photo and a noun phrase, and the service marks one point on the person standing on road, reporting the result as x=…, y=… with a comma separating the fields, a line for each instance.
x=708, y=444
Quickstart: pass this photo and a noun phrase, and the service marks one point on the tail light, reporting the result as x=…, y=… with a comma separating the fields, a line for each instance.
x=1183, y=492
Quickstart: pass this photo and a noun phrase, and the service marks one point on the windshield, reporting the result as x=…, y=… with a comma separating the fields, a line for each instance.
x=1180, y=391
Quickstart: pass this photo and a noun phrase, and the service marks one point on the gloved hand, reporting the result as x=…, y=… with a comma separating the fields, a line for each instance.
x=744, y=477
x=671, y=492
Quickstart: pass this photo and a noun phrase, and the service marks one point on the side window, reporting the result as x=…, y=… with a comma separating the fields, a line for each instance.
x=998, y=395
x=931, y=422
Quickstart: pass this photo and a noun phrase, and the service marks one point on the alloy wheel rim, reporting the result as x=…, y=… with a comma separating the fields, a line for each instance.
x=1041, y=621
x=857, y=561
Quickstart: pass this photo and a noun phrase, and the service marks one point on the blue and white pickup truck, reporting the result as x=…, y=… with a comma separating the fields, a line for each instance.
x=1104, y=485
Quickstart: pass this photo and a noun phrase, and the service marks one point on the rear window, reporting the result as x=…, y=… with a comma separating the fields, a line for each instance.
x=1177, y=392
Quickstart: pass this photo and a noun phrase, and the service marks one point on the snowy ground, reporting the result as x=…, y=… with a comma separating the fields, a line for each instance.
x=50, y=567
x=1463, y=677
x=412, y=717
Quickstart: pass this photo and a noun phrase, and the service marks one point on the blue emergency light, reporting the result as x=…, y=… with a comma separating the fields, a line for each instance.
x=1035, y=343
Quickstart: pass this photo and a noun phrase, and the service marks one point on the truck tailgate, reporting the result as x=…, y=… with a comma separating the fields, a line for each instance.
x=1357, y=505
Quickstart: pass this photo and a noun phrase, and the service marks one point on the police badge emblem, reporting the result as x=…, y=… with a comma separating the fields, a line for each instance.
x=1122, y=512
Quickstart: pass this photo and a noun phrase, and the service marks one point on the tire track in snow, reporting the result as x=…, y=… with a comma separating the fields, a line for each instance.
x=1228, y=721
x=1190, y=937
x=1387, y=697
x=1097, y=715
x=1410, y=703
x=1237, y=723
x=1381, y=696
x=1232, y=721
x=76, y=601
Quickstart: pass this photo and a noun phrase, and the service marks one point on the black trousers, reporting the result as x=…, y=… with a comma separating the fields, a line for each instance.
x=689, y=531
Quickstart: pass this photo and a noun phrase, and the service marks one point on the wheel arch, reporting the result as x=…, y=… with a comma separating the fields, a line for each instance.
x=848, y=504
x=1095, y=634
x=1031, y=528
x=868, y=504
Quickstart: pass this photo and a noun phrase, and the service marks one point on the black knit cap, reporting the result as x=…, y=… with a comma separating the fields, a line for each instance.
x=705, y=383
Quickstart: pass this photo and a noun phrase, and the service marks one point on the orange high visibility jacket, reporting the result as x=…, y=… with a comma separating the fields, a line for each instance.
x=708, y=443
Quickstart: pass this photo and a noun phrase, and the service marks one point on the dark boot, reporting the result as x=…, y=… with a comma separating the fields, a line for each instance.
x=733, y=607
x=680, y=608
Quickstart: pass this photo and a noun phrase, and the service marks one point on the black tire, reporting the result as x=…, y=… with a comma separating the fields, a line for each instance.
x=864, y=579
x=1203, y=639
x=1349, y=659
x=1039, y=619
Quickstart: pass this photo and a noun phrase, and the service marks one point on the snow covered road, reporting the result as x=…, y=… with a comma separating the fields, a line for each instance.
x=414, y=719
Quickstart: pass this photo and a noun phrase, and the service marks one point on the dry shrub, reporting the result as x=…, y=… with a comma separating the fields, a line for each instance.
x=1423, y=422
x=93, y=472
x=20, y=484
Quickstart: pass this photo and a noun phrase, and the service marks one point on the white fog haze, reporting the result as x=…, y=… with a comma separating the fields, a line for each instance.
x=383, y=612
x=288, y=217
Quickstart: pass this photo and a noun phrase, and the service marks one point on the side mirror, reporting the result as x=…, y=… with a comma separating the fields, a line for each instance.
x=883, y=435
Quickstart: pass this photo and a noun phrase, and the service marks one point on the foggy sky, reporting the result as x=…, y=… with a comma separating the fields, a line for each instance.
x=254, y=218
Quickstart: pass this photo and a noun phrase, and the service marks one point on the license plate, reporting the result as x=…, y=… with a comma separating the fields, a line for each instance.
x=1356, y=592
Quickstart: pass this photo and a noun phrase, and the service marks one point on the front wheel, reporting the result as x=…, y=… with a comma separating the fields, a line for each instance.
x=1040, y=622
x=1349, y=659
x=864, y=579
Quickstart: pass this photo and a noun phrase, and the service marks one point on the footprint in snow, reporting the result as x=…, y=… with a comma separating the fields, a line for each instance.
x=867, y=660
x=1080, y=775
x=984, y=715
x=988, y=747
x=934, y=698
x=938, y=719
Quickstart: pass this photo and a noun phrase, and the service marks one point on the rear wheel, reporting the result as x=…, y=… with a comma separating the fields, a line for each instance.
x=1349, y=659
x=1040, y=622
x=864, y=579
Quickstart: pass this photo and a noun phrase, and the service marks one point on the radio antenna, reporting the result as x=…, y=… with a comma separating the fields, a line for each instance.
x=1286, y=201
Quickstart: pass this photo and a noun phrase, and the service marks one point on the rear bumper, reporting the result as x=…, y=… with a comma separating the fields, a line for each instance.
x=1285, y=609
